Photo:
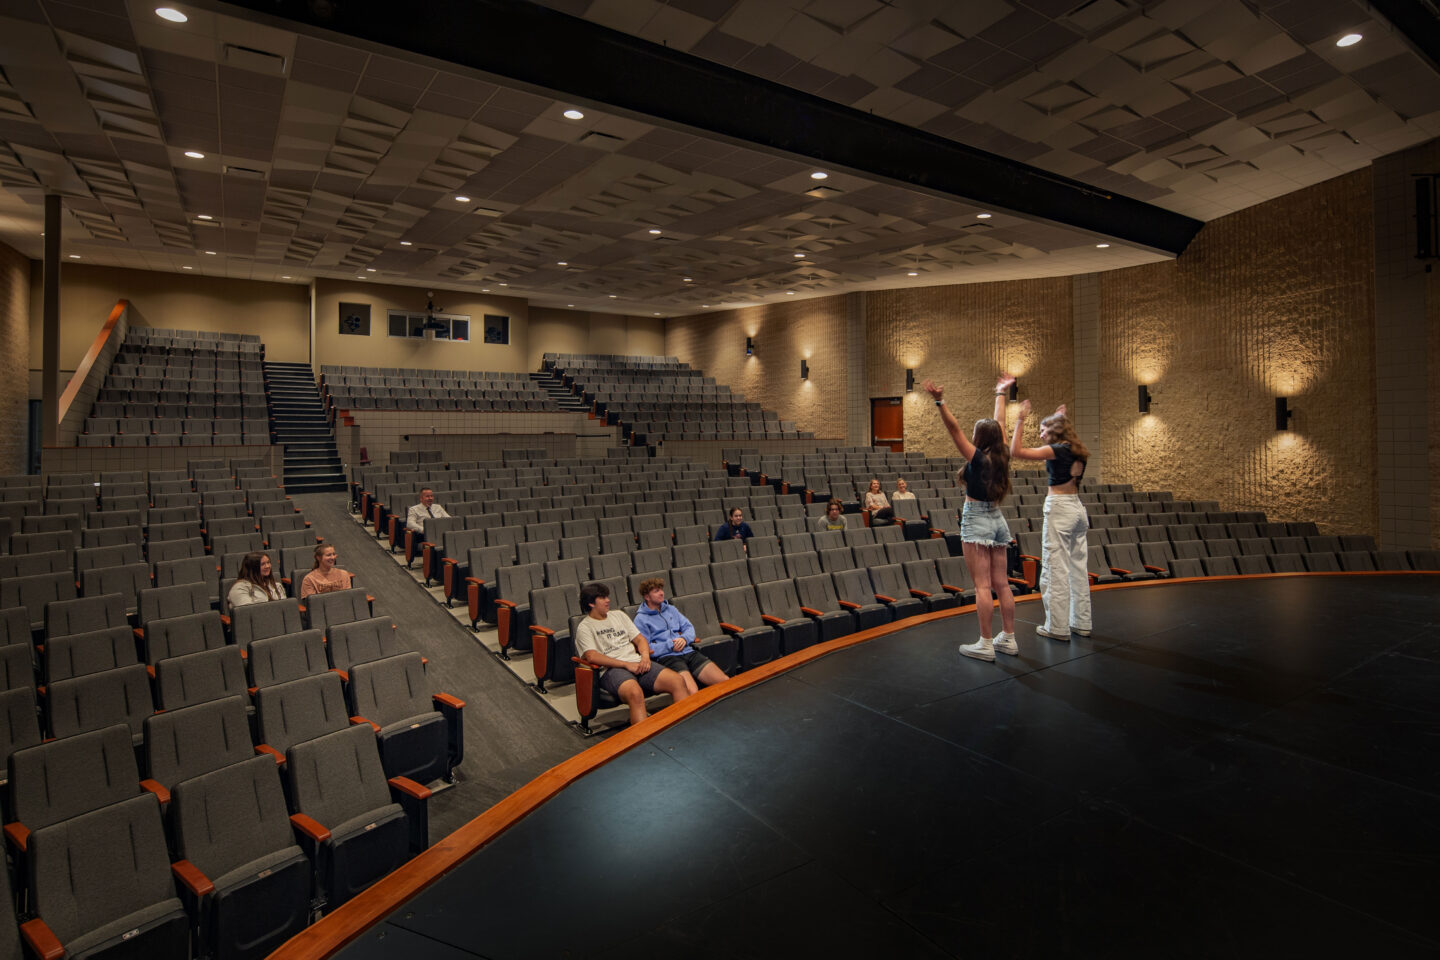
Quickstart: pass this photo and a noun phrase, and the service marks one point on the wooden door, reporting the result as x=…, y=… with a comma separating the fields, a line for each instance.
x=887, y=423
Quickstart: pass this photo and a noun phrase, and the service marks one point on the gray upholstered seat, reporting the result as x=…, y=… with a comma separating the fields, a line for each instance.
x=232, y=829
x=420, y=734
x=200, y=677
x=54, y=781
x=98, y=700
x=189, y=742
x=292, y=656
x=255, y=621
x=300, y=710
x=80, y=654
x=325, y=610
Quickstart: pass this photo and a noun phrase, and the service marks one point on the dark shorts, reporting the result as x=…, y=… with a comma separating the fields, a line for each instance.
x=613, y=677
x=691, y=660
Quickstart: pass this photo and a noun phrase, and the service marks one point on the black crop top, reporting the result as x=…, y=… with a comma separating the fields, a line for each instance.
x=976, y=475
x=1059, y=468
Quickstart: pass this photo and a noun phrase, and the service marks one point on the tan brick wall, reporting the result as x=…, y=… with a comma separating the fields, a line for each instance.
x=14, y=358
x=963, y=337
x=784, y=333
x=1277, y=300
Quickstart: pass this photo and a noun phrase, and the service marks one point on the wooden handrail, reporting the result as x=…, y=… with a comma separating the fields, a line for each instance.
x=83, y=370
x=335, y=930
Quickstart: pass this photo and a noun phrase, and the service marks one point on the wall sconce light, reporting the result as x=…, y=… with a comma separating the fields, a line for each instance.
x=1144, y=398
x=1283, y=413
x=804, y=370
x=749, y=346
x=909, y=379
x=1015, y=390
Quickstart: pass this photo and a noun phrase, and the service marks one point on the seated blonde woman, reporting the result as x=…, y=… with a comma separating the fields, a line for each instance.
x=325, y=577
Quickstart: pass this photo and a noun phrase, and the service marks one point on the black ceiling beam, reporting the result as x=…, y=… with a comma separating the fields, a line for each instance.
x=571, y=57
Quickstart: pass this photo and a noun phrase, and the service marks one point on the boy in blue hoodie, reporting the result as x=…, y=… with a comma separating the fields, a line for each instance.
x=671, y=636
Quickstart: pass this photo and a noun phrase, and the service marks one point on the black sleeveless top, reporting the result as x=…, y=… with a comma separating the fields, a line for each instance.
x=1059, y=468
x=977, y=476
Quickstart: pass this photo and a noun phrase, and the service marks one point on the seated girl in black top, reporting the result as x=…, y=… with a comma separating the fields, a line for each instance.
x=736, y=529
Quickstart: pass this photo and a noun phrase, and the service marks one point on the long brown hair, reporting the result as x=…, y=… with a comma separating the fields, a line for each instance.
x=990, y=441
x=1060, y=427
x=250, y=573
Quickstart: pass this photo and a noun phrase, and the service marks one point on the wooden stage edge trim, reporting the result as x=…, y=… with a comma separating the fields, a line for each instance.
x=334, y=931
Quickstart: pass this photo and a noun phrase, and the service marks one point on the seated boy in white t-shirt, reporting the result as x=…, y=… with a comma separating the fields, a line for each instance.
x=608, y=638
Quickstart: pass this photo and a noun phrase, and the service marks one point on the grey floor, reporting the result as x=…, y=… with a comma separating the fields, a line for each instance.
x=510, y=736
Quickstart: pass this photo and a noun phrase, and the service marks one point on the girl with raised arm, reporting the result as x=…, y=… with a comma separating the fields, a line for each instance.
x=986, y=535
x=1064, y=578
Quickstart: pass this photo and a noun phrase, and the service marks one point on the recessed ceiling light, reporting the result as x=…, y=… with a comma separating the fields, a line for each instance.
x=203, y=216
x=369, y=269
x=1101, y=246
x=983, y=216
x=913, y=273
x=657, y=314
x=569, y=304
x=1349, y=40
x=194, y=154
x=209, y=253
x=171, y=14
x=74, y=256
x=612, y=296
x=655, y=233
x=484, y=289
x=705, y=305
x=819, y=175
x=573, y=114
x=799, y=256
x=187, y=268
x=789, y=293
x=360, y=278
x=406, y=243
x=688, y=280
x=286, y=277
x=461, y=198
x=561, y=263
x=504, y=284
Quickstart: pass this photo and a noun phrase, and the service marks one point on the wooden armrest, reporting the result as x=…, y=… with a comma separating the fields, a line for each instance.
x=918, y=593
x=446, y=700
x=410, y=788
x=731, y=627
x=193, y=878
x=157, y=788
x=264, y=748
x=356, y=721
x=1119, y=571
x=771, y=619
x=1154, y=569
x=475, y=580
x=849, y=605
x=542, y=631
x=950, y=588
x=18, y=834
x=344, y=675
x=287, y=581
x=884, y=599
x=1093, y=578
x=1026, y=556
x=371, y=599
x=310, y=827
x=42, y=939
x=811, y=612
x=139, y=633
x=450, y=560
x=510, y=604
x=150, y=669
x=225, y=619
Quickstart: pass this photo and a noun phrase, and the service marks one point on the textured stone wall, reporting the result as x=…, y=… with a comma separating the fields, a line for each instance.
x=1276, y=300
x=815, y=330
x=963, y=337
x=14, y=358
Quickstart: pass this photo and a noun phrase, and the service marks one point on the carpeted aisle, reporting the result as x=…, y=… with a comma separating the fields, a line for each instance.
x=510, y=736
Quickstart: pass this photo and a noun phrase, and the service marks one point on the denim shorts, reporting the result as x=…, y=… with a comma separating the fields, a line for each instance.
x=982, y=522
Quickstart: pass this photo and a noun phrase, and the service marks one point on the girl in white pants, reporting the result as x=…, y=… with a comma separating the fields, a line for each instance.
x=1064, y=579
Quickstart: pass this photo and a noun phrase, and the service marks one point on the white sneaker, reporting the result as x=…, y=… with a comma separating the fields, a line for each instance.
x=1052, y=634
x=981, y=649
x=1080, y=631
x=1005, y=643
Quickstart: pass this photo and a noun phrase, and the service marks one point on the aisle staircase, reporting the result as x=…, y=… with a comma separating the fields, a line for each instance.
x=297, y=420
x=563, y=396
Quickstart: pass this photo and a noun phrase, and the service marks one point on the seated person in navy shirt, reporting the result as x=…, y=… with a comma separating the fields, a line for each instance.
x=671, y=636
x=736, y=529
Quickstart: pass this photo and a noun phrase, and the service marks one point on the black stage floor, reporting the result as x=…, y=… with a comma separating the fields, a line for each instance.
x=1234, y=768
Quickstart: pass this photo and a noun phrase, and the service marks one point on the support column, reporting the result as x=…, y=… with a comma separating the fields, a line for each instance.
x=1085, y=314
x=50, y=326
x=857, y=393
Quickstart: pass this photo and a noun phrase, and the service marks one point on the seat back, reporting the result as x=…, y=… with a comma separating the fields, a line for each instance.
x=35, y=593
x=191, y=741
x=889, y=580
x=778, y=599
x=853, y=586
x=362, y=640
x=691, y=579
x=340, y=606
x=200, y=677
x=115, y=555
x=722, y=551
x=64, y=778
x=98, y=700
x=68, y=617
x=179, y=600
x=254, y=621
x=766, y=569
x=395, y=688
x=300, y=710
x=289, y=657
x=921, y=575
x=80, y=654
x=337, y=777
x=99, y=868
x=169, y=573
x=178, y=636
x=817, y=591
x=738, y=605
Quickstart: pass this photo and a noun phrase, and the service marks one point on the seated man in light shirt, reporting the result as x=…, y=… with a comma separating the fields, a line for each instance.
x=672, y=638
x=426, y=509
x=608, y=638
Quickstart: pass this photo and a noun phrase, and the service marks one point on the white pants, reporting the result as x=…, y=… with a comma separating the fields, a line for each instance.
x=1064, y=579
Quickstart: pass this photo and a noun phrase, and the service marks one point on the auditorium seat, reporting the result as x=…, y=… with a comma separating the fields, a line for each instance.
x=81, y=654
x=298, y=710
x=255, y=621
x=780, y=607
x=924, y=583
x=245, y=882
x=324, y=610
x=359, y=641
x=291, y=656
x=60, y=779
x=420, y=734
x=200, y=677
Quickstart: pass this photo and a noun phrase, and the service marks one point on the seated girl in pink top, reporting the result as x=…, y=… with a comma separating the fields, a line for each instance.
x=325, y=577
